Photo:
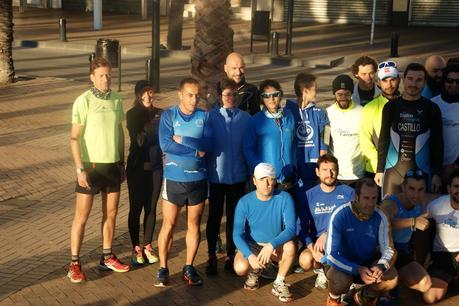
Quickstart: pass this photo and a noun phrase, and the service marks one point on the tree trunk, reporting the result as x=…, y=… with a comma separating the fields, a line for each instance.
x=213, y=42
x=174, y=30
x=6, y=42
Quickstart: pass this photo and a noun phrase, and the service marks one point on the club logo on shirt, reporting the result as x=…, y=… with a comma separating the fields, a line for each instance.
x=177, y=124
x=371, y=232
x=321, y=208
x=304, y=132
x=340, y=197
x=199, y=122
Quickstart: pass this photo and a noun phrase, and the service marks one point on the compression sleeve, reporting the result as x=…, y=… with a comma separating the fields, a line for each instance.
x=288, y=222
x=366, y=137
x=436, y=139
x=334, y=244
x=240, y=219
x=167, y=144
x=384, y=135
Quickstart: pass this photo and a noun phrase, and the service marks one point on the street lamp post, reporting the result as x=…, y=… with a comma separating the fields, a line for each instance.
x=155, y=54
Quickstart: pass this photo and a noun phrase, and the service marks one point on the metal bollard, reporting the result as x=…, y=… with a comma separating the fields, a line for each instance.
x=275, y=44
x=148, y=69
x=394, y=44
x=62, y=29
x=92, y=56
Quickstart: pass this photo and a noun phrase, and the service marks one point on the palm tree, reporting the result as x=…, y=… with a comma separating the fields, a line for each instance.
x=6, y=42
x=213, y=41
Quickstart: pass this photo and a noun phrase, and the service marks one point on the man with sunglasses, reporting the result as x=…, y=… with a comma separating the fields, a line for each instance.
x=364, y=70
x=406, y=213
x=248, y=96
x=270, y=136
x=344, y=116
x=448, y=102
x=411, y=135
x=388, y=82
x=435, y=64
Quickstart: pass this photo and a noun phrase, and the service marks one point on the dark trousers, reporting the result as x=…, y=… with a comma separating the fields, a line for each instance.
x=218, y=193
x=144, y=189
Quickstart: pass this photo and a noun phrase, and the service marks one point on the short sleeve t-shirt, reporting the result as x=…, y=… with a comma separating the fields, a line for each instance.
x=101, y=120
x=447, y=220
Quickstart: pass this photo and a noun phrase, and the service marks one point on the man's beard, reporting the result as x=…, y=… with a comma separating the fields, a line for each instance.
x=330, y=182
x=434, y=83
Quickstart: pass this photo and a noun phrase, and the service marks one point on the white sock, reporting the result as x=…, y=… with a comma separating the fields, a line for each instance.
x=279, y=279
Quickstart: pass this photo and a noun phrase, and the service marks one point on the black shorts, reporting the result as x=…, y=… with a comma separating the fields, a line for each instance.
x=443, y=265
x=185, y=193
x=101, y=177
x=405, y=255
x=356, y=279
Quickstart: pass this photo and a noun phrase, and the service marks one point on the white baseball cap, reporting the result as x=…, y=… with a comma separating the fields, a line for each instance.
x=264, y=170
x=387, y=70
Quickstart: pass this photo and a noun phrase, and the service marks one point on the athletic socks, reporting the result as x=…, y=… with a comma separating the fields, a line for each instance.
x=107, y=253
x=279, y=279
x=75, y=258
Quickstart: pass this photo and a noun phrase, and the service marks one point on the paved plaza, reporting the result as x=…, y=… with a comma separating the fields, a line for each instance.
x=37, y=172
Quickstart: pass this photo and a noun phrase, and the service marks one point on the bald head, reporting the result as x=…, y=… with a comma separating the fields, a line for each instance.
x=235, y=67
x=435, y=65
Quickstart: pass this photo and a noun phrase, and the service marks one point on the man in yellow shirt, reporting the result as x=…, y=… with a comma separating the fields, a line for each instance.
x=388, y=82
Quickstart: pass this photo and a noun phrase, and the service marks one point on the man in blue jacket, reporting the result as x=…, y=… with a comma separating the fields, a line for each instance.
x=270, y=136
x=184, y=137
x=227, y=171
x=264, y=226
x=359, y=249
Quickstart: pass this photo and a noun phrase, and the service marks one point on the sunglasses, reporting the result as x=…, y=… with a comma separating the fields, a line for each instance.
x=415, y=174
x=267, y=95
x=387, y=64
x=451, y=81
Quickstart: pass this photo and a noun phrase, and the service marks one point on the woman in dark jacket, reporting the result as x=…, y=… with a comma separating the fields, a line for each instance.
x=144, y=170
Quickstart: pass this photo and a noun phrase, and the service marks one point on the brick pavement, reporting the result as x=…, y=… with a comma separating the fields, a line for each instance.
x=36, y=210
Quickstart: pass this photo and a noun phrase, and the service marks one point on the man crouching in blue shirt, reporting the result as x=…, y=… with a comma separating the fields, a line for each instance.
x=358, y=232
x=264, y=226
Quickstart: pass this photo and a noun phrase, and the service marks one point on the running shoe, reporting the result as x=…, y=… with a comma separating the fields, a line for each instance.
x=191, y=276
x=137, y=256
x=333, y=302
x=113, y=264
x=75, y=273
x=282, y=291
x=321, y=280
x=251, y=283
x=151, y=257
x=297, y=269
x=211, y=268
x=270, y=272
x=162, y=278
x=229, y=264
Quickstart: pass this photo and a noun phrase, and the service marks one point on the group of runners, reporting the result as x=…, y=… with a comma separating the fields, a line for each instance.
x=351, y=191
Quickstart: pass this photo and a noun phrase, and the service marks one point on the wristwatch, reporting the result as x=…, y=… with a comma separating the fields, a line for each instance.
x=79, y=170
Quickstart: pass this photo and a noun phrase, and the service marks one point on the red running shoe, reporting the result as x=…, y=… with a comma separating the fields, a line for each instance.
x=75, y=274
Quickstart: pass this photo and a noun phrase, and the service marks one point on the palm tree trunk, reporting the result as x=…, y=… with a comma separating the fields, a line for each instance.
x=213, y=41
x=6, y=42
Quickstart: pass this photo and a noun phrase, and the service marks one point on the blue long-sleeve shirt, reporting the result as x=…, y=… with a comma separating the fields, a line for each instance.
x=310, y=124
x=226, y=159
x=270, y=140
x=271, y=221
x=352, y=243
x=316, y=211
x=181, y=162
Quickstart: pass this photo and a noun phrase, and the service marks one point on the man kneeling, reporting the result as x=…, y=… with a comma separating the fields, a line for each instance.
x=264, y=226
x=357, y=232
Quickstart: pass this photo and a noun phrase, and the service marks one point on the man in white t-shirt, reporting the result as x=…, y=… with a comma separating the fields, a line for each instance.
x=344, y=141
x=444, y=265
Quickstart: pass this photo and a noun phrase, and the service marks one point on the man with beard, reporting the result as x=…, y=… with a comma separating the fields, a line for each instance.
x=248, y=97
x=388, y=82
x=315, y=211
x=448, y=102
x=411, y=135
x=434, y=66
x=365, y=90
x=445, y=256
x=359, y=249
x=344, y=116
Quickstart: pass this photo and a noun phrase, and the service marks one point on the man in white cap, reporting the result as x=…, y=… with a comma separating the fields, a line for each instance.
x=370, y=125
x=264, y=226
